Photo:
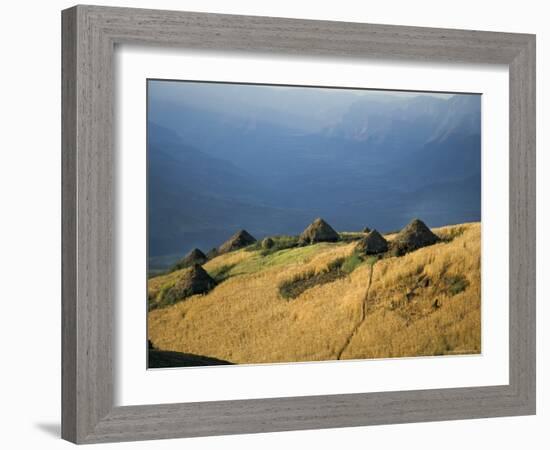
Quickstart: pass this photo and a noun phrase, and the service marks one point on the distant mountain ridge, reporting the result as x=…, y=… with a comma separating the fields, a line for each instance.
x=215, y=168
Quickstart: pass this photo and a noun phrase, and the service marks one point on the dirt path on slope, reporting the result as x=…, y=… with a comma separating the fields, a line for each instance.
x=362, y=318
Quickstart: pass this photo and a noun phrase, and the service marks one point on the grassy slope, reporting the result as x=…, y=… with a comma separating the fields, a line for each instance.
x=245, y=320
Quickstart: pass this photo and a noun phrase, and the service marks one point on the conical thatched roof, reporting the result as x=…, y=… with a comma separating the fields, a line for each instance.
x=373, y=244
x=414, y=236
x=366, y=230
x=319, y=231
x=195, y=256
x=239, y=240
x=193, y=281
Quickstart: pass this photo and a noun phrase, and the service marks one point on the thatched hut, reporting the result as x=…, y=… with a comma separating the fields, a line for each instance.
x=240, y=239
x=193, y=281
x=319, y=231
x=195, y=256
x=414, y=236
x=372, y=244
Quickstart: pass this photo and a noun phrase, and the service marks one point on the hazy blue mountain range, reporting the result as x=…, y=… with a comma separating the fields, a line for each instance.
x=271, y=159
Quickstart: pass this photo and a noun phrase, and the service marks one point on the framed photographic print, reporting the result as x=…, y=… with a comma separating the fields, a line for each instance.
x=255, y=209
x=267, y=174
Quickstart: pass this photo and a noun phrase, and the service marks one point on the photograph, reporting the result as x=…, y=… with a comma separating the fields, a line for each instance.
x=291, y=224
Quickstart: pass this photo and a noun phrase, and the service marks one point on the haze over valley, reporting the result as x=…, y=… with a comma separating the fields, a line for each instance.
x=270, y=159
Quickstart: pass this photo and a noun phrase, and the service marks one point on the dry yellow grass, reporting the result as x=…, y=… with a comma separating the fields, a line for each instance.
x=245, y=320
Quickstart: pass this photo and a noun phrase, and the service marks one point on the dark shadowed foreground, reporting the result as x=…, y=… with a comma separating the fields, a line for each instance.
x=162, y=359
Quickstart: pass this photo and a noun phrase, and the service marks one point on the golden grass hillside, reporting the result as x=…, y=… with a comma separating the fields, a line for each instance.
x=424, y=303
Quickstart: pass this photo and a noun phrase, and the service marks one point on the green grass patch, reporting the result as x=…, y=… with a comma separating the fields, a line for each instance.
x=338, y=268
x=159, y=300
x=292, y=288
x=258, y=262
x=297, y=285
x=280, y=243
x=456, y=284
x=372, y=259
x=351, y=263
x=221, y=273
x=350, y=236
x=277, y=243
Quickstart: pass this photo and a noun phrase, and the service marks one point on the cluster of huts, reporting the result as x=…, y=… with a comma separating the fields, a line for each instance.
x=414, y=236
x=196, y=280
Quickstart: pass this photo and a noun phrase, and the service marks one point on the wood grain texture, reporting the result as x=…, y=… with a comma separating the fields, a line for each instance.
x=89, y=36
x=523, y=224
x=68, y=225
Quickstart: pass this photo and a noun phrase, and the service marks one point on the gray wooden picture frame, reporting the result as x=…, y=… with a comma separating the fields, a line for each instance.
x=89, y=37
